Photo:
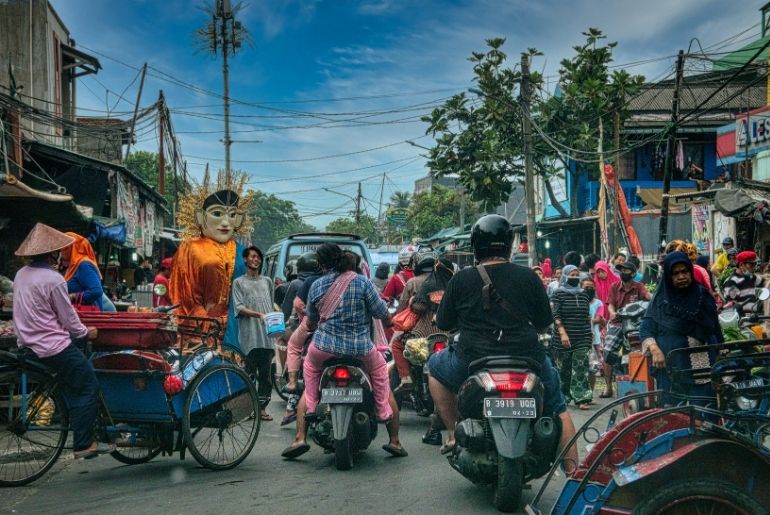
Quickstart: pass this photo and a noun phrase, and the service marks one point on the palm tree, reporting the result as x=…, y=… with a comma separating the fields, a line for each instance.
x=400, y=199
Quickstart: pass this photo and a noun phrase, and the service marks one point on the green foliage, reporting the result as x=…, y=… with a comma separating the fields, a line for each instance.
x=274, y=219
x=481, y=140
x=400, y=199
x=431, y=211
x=366, y=228
x=145, y=165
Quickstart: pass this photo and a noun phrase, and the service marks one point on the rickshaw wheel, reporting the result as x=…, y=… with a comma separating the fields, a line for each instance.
x=279, y=381
x=695, y=496
x=135, y=455
x=26, y=451
x=221, y=417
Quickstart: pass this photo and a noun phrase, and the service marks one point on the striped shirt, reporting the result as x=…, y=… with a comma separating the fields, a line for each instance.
x=742, y=289
x=572, y=310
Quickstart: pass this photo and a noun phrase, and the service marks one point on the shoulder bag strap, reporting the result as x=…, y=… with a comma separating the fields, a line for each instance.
x=489, y=294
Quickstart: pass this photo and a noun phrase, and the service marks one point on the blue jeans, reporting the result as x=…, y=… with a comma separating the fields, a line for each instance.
x=80, y=388
x=451, y=371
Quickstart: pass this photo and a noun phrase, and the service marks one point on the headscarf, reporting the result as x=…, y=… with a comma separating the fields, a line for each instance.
x=563, y=286
x=690, y=311
x=703, y=261
x=547, y=269
x=603, y=285
x=81, y=252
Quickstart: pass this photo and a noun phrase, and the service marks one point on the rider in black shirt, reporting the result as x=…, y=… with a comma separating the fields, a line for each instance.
x=508, y=326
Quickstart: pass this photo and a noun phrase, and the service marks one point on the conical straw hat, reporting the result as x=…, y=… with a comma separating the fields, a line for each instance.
x=43, y=239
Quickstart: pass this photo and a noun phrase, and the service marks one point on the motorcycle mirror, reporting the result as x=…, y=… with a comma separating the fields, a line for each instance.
x=763, y=294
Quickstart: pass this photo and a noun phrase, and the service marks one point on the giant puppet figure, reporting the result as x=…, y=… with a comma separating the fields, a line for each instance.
x=209, y=257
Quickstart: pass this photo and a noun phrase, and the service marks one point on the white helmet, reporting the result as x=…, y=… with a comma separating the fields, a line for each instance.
x=405, y=255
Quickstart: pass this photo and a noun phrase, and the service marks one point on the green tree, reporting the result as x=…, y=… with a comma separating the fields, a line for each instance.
x=400, y=199
x=366, y=228
x=437, y=209
x=590, y=97
x=145, y=165
x=274, y=219
x=481, y=140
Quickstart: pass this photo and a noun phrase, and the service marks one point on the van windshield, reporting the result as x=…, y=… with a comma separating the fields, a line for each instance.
x=297, y=249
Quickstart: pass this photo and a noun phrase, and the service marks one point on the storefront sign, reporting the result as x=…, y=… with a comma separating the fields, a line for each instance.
x=701, y=234
x=752, y=132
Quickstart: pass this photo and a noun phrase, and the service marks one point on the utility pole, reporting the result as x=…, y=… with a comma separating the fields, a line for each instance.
x=529, y=178
x=380, y=224
x=358, y=206
x=136, y=111
x=670, y=150
x=616, y=218
x=161, y=154
x=223, y=34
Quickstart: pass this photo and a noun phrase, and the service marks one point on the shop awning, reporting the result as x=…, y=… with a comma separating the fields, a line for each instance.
x=652, y=197
x=744, y=202
x=26, y=206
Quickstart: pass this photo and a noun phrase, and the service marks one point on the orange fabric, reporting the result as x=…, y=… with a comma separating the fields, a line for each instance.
x=201, y=277
x=79, y=252
x=633, y=240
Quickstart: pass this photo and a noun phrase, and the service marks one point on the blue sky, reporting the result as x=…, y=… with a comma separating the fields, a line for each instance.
x=342, y=77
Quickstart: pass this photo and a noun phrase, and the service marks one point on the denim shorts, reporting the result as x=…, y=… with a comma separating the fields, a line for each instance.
x=451, y=371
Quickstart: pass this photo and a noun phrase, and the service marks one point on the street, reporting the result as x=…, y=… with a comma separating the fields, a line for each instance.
x=421, y=483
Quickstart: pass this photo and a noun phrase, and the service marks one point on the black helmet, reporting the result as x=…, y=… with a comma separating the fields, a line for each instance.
x=307, y=263
x=290, y=270
x=492, y=236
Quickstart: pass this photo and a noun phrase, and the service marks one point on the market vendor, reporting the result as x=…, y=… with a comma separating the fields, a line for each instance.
x=209, y=259
x=160, y=286
x=84, y=281
x=46, y=323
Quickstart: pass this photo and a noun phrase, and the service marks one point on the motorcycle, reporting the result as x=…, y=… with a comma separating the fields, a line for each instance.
x=344, y=422
x=417, y=352
x=502, y=436
x=630, y=317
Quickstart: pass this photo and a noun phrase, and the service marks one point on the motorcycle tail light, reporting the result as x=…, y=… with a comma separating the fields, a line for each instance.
x=508, y=382
x=342, y=375
x=439, y=346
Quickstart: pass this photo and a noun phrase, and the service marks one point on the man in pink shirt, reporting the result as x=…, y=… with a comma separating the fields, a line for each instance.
x=46, y=323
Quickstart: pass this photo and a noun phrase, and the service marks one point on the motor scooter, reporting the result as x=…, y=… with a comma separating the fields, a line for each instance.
x=503, y=437
x=344, y=422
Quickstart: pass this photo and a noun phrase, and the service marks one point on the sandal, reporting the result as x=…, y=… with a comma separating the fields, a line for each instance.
x=288, y=419
x=295, y=451
x=398, y=452
x=448, y=448
x=584, y=406
x=266, y=417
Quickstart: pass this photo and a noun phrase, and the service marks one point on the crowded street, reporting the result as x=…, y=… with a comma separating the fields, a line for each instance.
x=382, y=256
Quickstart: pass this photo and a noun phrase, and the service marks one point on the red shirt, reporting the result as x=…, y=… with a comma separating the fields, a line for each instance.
x=621, y=297
x=396, y=285
x=160, y=294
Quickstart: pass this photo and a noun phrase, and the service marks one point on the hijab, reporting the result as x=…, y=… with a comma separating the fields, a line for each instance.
x=382, y=272
x=563, y=285
x=81, y=252
x=689, y=311
x=432, y=290
x=547, y=268
x=603, y=285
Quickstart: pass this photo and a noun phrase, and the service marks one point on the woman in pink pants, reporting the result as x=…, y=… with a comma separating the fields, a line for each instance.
x=342, y=304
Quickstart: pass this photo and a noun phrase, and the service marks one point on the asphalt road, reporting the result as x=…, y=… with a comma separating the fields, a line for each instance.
x=422, y=483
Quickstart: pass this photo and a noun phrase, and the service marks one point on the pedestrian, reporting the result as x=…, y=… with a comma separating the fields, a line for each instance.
x=160, y=285
x=618, y=259
x=700, y=274
x=404, y=272
x=547, y=269
x=622, y=293
x=681, y=314
x=84, y=280
x=554, y=284
x=539, y=272
x=252, y=299
x=573, y=258
x=381, y=276
x=741, y=286
x=598, y=322
x=47, y=324
x=589, y=264
x=143, y=273
x=572, y=320
x=723, y=259
x=604, y=278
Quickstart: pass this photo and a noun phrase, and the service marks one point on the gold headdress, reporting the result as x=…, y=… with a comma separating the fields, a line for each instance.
x=233, y=182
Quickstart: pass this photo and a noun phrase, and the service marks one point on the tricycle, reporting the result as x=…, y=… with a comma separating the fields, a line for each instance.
x=697, y=454
x=156, y=397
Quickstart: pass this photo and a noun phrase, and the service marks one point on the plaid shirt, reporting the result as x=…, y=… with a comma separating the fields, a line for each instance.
x=349, y=330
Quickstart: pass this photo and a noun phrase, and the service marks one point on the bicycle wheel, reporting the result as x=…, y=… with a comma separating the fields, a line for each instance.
x=221, y=417
x=279, y=381
x=28, y=448
x=135, y=455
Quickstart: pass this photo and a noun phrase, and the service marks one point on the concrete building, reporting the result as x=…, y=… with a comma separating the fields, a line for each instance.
x=426, y=183
x=45, y=65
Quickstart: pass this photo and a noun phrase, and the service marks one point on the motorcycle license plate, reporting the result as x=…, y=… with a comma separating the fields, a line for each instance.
x=510, y=408
x=342, y=395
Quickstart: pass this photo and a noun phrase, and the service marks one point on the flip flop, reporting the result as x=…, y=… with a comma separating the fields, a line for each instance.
x=398, y=452
x=288, y=419
x=295, y=451
x=266, y=417
x=447, y=448
x=584, y=406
